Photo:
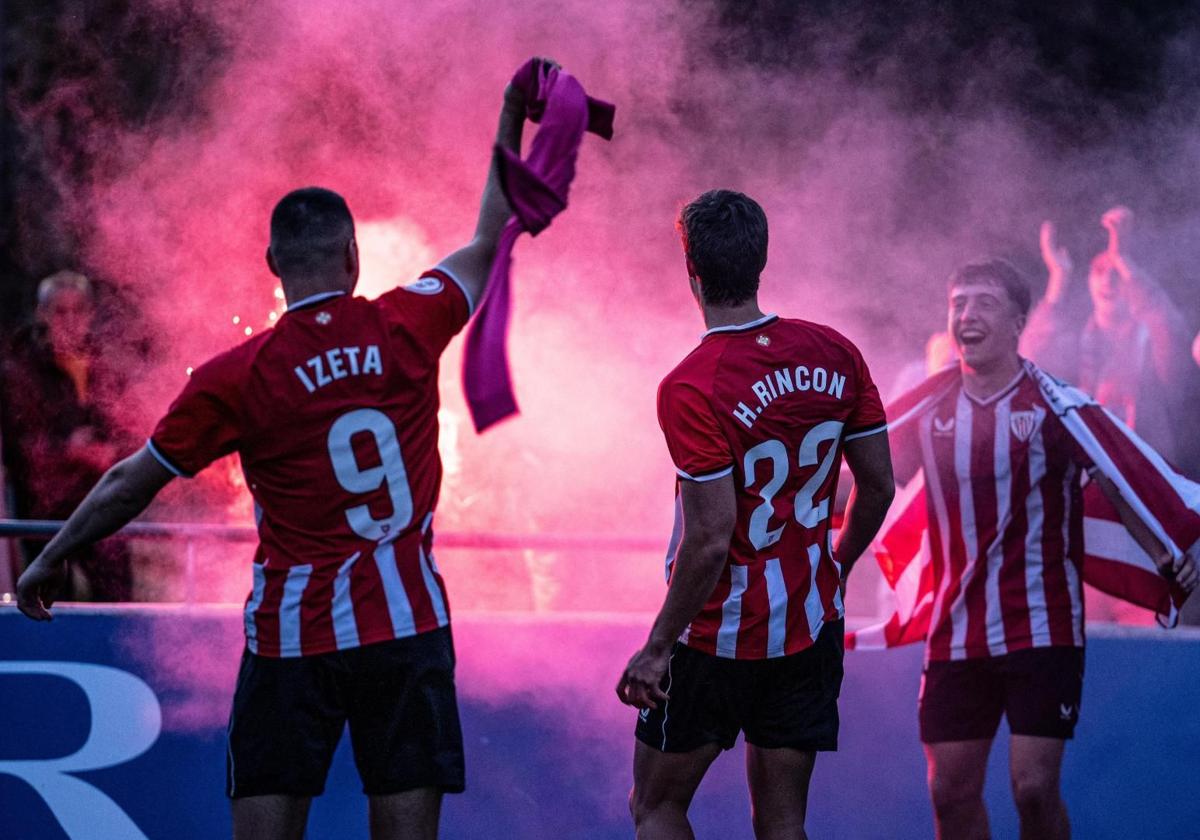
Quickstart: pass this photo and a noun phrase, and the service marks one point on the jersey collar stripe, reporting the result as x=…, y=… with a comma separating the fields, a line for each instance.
x=707, y=476
x=731, y=613
x=441, y=269
x=345, y=626
x=289, y=609
x=256, y=599
x=399, y=607
x=164, y=460
x=311, y=299
x=1003, y=392
x=866, y=433
x=749, y=325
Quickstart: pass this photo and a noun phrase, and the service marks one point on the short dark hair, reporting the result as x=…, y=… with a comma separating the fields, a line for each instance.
x=725, y=237
x=996, y=272
x=309, y=229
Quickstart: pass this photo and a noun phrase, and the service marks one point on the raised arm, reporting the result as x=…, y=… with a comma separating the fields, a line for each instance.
x=1048, y=338
x=870, y=462
x=709, y=515
x=1148, y=301
x=121, y=494
x=472, y=263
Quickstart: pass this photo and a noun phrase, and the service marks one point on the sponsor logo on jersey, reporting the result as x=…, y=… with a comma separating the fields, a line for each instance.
x=324, y=318
x=943, y=428
x=425, y=286
x=765, y=341
x=1024, y=424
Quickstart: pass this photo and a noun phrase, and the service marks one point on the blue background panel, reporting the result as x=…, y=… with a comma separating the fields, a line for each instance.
x=549, y=747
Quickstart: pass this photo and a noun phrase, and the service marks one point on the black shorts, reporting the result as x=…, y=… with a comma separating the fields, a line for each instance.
x=786, y=701
x=1039, y=689
x=398, y=697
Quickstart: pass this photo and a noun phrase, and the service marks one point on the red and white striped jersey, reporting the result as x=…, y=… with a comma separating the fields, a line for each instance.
x=1005, y=514
x=334, y=415
x=771, y=402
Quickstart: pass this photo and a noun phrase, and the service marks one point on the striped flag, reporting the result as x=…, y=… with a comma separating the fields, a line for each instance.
x=1167, y=502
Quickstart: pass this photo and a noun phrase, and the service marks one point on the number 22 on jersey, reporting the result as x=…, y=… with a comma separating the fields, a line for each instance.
x=809, y=510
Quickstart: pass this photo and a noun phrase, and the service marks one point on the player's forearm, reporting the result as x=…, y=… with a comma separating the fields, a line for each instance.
x=494, y=209
x=1133, y=523
x=864, y=515
x=110, y=505
x=697, y=569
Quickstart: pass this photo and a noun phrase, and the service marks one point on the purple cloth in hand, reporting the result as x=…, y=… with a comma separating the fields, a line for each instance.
x=536, y=189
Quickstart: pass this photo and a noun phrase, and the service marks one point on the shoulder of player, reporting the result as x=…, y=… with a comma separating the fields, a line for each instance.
x=691, y=380
x=232, y=363
x=833, y=341
x=432, y=283
x=823, y=330
x=694, y=369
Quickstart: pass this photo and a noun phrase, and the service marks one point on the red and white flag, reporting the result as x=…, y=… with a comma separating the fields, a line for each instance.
x=1113, y=562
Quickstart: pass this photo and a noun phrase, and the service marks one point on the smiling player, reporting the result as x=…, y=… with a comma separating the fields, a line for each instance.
x=1006, y=636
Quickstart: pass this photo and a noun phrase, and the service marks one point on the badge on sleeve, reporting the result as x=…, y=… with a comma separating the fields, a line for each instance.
x=425, y=286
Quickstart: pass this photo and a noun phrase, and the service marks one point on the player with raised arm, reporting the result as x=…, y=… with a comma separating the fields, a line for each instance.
x=334, y=415
x=749, y=639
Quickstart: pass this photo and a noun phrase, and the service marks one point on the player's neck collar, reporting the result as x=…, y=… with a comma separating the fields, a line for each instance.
x=995, y=396
x=749, y=325
x=311, y=299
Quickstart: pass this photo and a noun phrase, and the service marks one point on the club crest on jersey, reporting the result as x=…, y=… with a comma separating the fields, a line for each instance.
x=1024, y=424
x=765, y=341
x=323, y=318
x=942, y=428
x=425, y=286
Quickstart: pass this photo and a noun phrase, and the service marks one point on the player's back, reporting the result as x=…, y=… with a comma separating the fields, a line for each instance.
x=771, y=402
x=334, y=414
x=341, y=440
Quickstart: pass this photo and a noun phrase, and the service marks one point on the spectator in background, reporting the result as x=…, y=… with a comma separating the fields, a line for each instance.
x=58, y=433
x=1131, y=352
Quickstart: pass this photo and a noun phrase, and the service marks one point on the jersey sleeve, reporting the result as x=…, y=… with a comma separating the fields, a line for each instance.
x=698, y=447
x=432, y=310
x=202, y=423
x=867, y=416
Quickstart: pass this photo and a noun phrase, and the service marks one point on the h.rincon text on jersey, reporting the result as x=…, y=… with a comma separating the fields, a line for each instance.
x=789, y=380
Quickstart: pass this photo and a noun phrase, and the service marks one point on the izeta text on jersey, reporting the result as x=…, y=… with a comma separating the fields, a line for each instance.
x=341, y=362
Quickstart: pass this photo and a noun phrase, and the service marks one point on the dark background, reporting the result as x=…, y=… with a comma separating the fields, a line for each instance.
x=1086, y=80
